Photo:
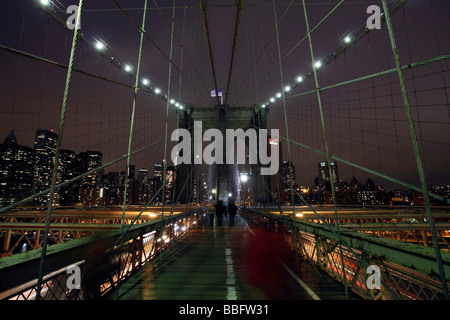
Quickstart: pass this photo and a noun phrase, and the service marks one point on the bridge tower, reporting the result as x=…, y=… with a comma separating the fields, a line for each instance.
x=223, y=177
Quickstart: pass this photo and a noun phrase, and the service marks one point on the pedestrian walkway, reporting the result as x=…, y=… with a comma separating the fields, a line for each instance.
x=230, y=263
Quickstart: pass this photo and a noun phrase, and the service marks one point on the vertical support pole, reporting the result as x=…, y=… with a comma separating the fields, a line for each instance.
x=416, y=150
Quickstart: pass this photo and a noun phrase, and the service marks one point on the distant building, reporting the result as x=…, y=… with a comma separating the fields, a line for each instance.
x=87, y=161
x=324, y=174
x=288, y=178
x=156, y=183
x=110, y=188
x=45, y=148
x=16, y=170
x=89, y=186
x=68, y=195
x=170, y=180
x=143, y=186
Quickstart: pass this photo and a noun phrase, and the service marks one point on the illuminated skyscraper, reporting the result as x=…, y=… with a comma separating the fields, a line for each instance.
x=89, y=186
x=324, y=175
x=44, y=147
x=66, y=171
x=16, y=170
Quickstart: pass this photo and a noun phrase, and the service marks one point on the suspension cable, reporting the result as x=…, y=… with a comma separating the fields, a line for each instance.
x=57, y=152
x=133, y=114
x=319, y=100
x=240, y=6
x=208, y=40
x=416, y=151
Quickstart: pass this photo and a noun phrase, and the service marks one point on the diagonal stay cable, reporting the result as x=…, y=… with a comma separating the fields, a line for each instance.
x=262, y=52
x=180, y=43
x=240, y=6
x=158, y=48
x=208, y=40
x=416, y=151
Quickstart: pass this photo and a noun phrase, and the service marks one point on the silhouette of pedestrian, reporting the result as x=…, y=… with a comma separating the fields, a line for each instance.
x=232, y=210
x=219, y=212
x=211, y=212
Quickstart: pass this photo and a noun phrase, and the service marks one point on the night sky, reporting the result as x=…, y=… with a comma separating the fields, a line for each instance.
x=365, y=121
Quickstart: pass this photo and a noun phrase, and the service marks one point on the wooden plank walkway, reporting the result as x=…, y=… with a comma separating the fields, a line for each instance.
x=230, y=263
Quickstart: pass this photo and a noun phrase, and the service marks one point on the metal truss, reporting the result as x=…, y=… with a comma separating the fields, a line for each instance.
x=103, y=262
x=402, y=279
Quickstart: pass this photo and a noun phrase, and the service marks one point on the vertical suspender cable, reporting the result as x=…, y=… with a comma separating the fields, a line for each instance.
x=163, y=196
x=133, y=113
x=416, y=151
x=57, y=152
x=240, y=5
x=319, y=100
x=285, y=111
x=130, y=137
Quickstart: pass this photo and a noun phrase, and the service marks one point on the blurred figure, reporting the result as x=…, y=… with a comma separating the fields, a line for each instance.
x=211, y=212
x=232, y=210
x=219, y=212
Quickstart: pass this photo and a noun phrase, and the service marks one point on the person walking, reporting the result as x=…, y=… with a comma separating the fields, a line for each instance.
x=219, y=212
x=211, y=212
x=232, y=210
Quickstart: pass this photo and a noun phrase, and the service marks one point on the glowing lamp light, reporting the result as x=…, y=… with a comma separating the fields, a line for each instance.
x=100, y=46
x=45, y=3
x=272, y=100
x=347, y=39
x=279, y=95
x=145, y=82
x=157, y=91
x=299, y=79
x=128, y=68
x=287, y=88
x=318, y=64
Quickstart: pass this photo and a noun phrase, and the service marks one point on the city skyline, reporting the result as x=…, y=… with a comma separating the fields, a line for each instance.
x=105, y=187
